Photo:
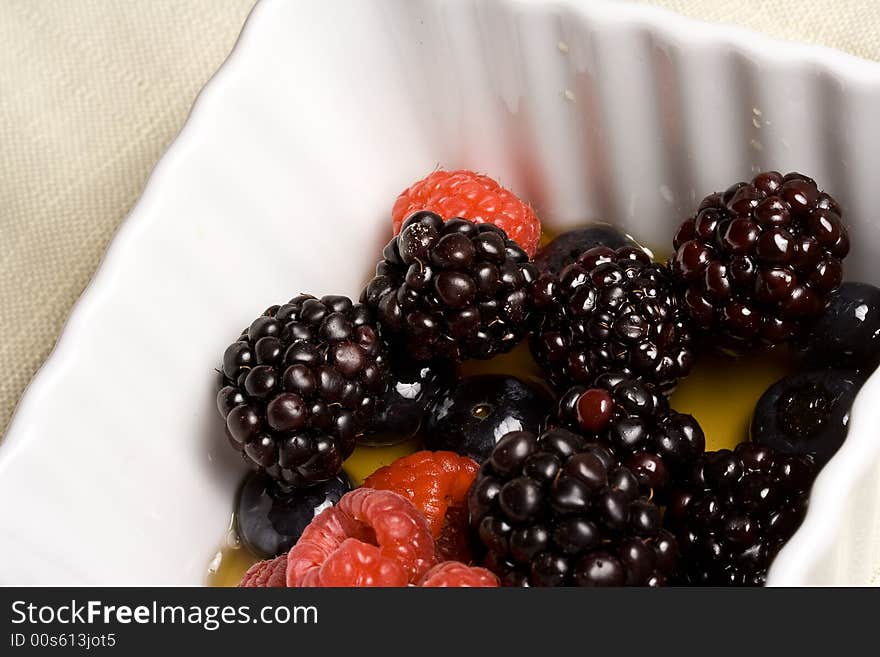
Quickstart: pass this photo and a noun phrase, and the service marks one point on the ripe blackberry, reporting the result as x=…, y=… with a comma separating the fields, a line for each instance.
x=300, y=384
x=758, y=262
x=611, y=310
x=452, y=290
x=736, y=511
x=655, y=443
x=557, y=510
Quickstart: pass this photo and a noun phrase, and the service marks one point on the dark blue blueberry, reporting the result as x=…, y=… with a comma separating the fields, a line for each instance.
x=400, y=413
x=848, y=333
x=562, y=250
x=270, y=521
x=471, y=416
x=806, y=414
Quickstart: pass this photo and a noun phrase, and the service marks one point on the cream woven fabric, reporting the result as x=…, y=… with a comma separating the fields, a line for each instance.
x=92, y=92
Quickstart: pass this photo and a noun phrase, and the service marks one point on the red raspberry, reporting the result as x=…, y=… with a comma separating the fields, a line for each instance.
x=471, y=196
x=454, y=573
x=437, y=483
x=268, y=573
x=370, y=538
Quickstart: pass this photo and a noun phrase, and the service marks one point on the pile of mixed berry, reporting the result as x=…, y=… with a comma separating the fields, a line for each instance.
x=588, y=477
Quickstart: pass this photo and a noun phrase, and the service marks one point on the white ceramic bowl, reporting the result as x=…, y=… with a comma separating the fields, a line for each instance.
x=114, y=469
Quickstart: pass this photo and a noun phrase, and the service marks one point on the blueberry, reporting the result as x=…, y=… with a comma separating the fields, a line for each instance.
x=563, y=249
x=270, y=521
x=399, y=415
x=848, y=333
x=471, y=416
x=806, y=414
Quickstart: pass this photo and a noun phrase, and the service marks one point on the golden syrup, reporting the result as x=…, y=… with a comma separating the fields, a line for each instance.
x=366, y=459
x=231, y=561
x=230, y=565
x=721, y=392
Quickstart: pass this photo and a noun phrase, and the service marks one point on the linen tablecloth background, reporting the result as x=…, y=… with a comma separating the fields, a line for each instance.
x=93, y=91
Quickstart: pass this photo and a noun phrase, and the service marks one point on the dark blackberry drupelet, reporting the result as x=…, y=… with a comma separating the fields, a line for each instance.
x=758, y=262
x=299, y=386
x=611, y=310
x=655, y=443
x=452, y=290
x=557, y=510
x=736, y=511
